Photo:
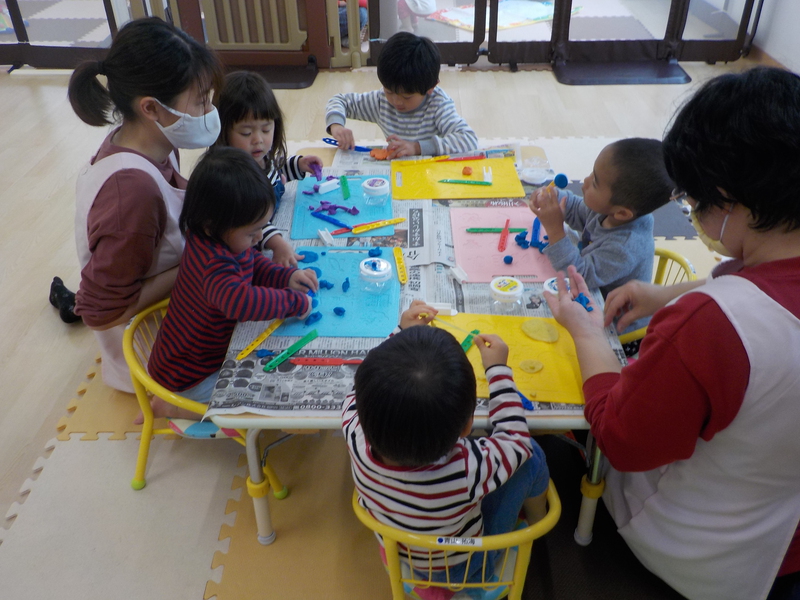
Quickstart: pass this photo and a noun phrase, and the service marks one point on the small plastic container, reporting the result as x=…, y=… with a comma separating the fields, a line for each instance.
x=506, y=295
x=376, y=190
x=374, y=274
x=552, y=286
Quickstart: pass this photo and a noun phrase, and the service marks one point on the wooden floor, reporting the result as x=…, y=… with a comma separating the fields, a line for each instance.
x=43, y=144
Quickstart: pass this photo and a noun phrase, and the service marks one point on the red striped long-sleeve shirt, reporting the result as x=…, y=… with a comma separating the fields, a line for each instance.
x=444, y=497
x=214, y=290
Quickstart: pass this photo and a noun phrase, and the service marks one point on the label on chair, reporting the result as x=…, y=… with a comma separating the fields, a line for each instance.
x=457, y=541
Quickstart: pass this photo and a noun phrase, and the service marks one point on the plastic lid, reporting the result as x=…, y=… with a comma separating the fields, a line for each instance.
x=375, y=269
x=506, y=289
x=375, y=186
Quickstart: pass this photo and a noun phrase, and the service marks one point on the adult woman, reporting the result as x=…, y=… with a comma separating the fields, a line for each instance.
x=130, y=195
x=701, y=431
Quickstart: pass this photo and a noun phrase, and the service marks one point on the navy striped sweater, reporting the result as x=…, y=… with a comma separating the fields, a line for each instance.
x=443, y=498
x=214, y=290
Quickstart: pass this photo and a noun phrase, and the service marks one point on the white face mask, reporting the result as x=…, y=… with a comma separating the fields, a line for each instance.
x=192, y=132
x=711, y=244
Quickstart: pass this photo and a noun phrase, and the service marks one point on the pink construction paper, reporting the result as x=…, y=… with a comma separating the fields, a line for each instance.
x=478, y=255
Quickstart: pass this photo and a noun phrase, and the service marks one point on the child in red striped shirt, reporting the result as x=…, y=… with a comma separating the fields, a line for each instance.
x=222, y=278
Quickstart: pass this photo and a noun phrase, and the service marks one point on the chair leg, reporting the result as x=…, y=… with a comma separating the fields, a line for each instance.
x=592, y=486
x=139, y=481
x=258, y=487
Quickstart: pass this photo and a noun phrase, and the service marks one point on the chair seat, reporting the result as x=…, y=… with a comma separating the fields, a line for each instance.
x=201, y=430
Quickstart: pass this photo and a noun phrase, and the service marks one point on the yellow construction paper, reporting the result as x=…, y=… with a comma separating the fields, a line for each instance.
x=419, y=180
x=559, y=380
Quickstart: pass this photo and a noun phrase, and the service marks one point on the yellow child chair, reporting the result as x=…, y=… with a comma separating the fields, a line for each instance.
x=510, y=568
x=669, y=268
x=137, y=344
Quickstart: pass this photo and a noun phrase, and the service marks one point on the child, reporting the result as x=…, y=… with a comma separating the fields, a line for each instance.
x=406, y=425
x=415, y=115
x=252, y=121
x=629, y=181
x=222, y=278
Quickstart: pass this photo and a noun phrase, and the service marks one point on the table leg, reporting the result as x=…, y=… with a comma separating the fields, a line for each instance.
x=258, y=488
x=592, y=486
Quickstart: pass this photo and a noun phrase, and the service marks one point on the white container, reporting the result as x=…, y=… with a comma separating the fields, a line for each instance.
x=551, y=286
x=374, y=274
x=376, y=190
x=506, y=295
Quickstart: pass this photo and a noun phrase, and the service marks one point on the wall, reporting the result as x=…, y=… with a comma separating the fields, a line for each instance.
x=777, y=32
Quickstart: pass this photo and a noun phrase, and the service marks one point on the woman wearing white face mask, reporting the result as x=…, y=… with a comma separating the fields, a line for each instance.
x=130, y=195
x=702, y=431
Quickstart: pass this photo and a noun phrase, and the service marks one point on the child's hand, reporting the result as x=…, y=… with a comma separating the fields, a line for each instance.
x=344, y=136
x=494, y=350
x=398, y=147
x=545, y=204
x=573, y=315
x=303, y=280
x=282, y=251
x=307, y=161
x=413, y=316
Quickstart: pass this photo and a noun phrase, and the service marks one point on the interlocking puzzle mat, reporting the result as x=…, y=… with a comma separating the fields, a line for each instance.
x=478, y=255
x=414, y=180
x=366, y=314
x=511, y=13
x=559, y=380
x=305, y=227
x=83, y=533
x=321, y=549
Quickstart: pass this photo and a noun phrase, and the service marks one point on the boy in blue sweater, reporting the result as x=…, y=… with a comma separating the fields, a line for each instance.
x=629, y=181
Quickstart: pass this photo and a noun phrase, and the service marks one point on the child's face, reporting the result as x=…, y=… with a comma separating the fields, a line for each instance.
x=241, y=238
x=403, y=102
x=253, y=136
x=597, y=186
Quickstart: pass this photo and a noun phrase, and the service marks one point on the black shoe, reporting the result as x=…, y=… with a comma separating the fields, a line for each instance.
x=64, y=300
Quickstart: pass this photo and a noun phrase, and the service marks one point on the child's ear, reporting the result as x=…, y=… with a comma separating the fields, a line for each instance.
x=430, y=91
x=622, y=213
x=468, y=427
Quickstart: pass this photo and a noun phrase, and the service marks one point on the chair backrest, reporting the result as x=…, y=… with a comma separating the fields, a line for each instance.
x=671, y=268
x=137, y=344
x=507, y=575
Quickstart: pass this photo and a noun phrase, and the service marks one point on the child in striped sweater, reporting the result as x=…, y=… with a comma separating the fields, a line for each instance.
x=222, y=279
x=414, y=113
x=406, y=426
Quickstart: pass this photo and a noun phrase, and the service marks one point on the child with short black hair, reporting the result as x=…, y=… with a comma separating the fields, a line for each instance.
x=406, y=425
x=252, y=120
x=413, y=112
x=222, y=278
x=629, y=181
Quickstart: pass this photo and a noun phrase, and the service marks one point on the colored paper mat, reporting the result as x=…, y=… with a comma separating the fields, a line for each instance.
x=478, y=255
x=305, y=227
x=419, y=180
x=559, y=380
x=366, y=314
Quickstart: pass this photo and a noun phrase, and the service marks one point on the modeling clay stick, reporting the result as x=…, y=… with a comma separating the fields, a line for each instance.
x=467, y=343
x=259, y=338
x=501, y=245
x=465, y=182
x=329, y=219
x=560, y=181
x=400, y=261
x=455, y=158
x=495, y=229
x=362, y=227
x=345, y=187
x=333, y=142
x=449, y=324
x=317, y=171
x=312, y=335
x=314, y=362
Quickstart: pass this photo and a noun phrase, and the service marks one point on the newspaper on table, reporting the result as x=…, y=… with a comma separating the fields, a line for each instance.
x=426, y=239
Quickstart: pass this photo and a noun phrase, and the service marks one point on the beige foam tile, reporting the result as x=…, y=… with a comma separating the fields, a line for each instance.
x=321, y=550
x=83, y=533
x=572, y=156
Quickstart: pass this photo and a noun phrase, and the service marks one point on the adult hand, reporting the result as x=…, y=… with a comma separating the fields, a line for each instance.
x=636, y=299
x=569, y=313
x=303, y=280
x=307, y=161
x=544, y=203
x=414, y=314
x=399, y=147
x=493, y=349
x=282, y=251
x=343, y=136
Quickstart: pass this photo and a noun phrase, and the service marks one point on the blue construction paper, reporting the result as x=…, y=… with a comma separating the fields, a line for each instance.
x=305, y=227
x=366, y=314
